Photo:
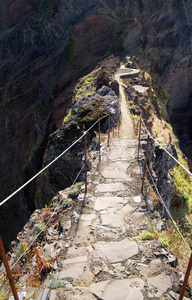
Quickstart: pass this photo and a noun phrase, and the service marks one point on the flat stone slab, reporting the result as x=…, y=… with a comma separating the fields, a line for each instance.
x=107, y=202
x=114, y=174
x=140, y=88
x=137, y=199
x=118, y=289
x=73, y=272
x=76, y=260
x=112, y=220
x=162, y=283
x=125, y=210
x=117, y=251
x=74, y=250
x=110, y=187
x=84, y=217
x=119, y=154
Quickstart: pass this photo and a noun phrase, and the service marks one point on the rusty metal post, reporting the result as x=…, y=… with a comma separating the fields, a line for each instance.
x=99, y=130
x=137, y=128
x=85, y=163
x=139, y=137
x=145, y=164
x=108, y=130
x=186, y=278
x=8, y=270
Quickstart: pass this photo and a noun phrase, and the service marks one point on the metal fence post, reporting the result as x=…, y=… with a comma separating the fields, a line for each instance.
x=85, y=163
x=186, y=278
x=139, y=137
x=8, y=270
x=145, y=164
x=108, y=130
x=99, y=130
x=137, y=127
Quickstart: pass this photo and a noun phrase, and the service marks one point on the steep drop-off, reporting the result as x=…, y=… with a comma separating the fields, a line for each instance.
x=46, y=46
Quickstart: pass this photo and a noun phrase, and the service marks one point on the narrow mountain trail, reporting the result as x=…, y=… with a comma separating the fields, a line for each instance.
x=106, y=259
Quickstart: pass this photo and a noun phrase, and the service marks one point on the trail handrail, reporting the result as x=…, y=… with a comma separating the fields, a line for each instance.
x=165, y=149
x=54, y=160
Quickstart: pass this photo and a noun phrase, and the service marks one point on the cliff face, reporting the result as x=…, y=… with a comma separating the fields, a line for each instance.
x=47, y=45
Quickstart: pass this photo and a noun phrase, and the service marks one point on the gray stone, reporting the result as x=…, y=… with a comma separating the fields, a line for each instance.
x=172, y=260
x=107, y=202
x=117, y=251
x=117, y=290
x=111, y=220
x=114, y=174
x=84, y=217
x=76, y=260
x=175, y=296
x=110, y=187
x=73, y=272
x=20, y=296
x=105, y=228
x=162, y=283
x=74, y=250
x=140, y=88
x=52, y=295
x=137, y=199
x=44, y=295
x=126, y=209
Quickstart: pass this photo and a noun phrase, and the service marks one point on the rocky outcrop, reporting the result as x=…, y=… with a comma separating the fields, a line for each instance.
x=160, y=162
x=85, y=113
x=46, y=46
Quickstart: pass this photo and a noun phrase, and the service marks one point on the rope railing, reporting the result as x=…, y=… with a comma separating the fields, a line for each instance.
x=184, y=285
x=52, y=162
x=59, y=203
x=178, y=162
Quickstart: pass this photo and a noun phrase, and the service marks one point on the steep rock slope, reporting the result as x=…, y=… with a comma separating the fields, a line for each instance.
x=47, y=45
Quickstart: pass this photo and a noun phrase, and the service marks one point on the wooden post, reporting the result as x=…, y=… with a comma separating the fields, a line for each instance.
x=118, y=128
x=139, y=137
x=99, y=129
x=108, y=130
x=85, y=163
x=145, y=164
x=8, y=270
x=186, y=278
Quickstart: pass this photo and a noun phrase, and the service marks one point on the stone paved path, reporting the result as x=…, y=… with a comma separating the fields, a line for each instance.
x=104, y=260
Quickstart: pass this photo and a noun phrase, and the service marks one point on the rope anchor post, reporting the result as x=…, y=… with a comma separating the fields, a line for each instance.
x=145, y=164
x=108, y=130
x=8, y=270
x=99, y=130
x=85, y=140
x=186, y=278
x=139, y=137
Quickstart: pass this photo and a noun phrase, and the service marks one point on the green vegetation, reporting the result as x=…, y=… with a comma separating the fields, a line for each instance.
x=69, y=50
x=182, y=185
x=18, y=250
x=38, y=228
x=118, y=38
x=85, y=86
x=55, y=284
x=74, y=192
x=48, y=8
x=67, y=116
x=153, y=234
x=67, y=202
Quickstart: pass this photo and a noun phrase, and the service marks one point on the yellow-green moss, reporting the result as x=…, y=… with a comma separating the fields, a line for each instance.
x=67, y=116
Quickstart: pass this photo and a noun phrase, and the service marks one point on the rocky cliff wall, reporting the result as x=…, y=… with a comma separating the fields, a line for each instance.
x=47, y=45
